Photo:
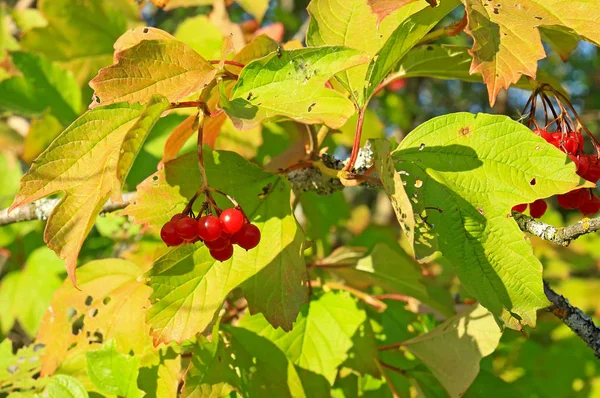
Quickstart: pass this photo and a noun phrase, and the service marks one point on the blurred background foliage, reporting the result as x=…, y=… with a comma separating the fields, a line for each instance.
x=40, y=52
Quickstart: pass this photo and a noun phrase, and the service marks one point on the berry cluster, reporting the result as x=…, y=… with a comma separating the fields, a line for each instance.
x=588, y=167
x=219, y=234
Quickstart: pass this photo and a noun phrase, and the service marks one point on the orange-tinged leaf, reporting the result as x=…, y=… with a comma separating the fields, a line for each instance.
x=112, y=302
x=167, y=67
x=383, y=8
x=86, y=163
x=178, y=138
x=507, y=43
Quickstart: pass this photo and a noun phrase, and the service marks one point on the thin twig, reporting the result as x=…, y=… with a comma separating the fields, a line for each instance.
x=367, y=298
x=226, y=62
x=558, y=235
x=356, y=144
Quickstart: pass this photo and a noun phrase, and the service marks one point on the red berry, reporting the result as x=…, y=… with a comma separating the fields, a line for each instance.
x=209, y=228
x=177, y=217
x=218, y=244
x=583, y=165
x=573, y=199
x=248, y=237
x=187, y=228
x=224, y=254
x=579, y=138
x=396, y=85
x=538, y=208
x=169, y=235
x=520, y=208
x=593, y=172
x=590, y=207
x=570, y=144
x=231, y=220
x=555, y=139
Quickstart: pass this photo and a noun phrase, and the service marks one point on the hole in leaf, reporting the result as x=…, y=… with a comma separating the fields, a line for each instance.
x=89, y=300
x=106, y=300
x=77, y=326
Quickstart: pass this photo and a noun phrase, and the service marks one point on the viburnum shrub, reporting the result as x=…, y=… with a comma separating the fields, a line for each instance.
x=271, y=199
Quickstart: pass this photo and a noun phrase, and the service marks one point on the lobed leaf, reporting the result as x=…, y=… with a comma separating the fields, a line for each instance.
x=292, y=85
x=87, y=163
x=506, y=39
x=166, y=67
x=188, y=283
x=465, y=172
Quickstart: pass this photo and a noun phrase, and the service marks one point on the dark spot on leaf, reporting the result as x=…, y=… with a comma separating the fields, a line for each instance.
x=249, y=97
x=279, y=52
x=464, y=131
x=429, y=48
x=146, y=30
x=496, y=11
x=154, y=178
x=310, y=107
x=98, y=336
x=89, y=300
x=532, y=182
x=93, y=312
x=77, y=326
x=539, y=18
x=106, y=300
x=481, y=212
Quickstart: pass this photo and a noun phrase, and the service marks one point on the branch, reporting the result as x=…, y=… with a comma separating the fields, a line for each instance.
x=41, y=209
x=581, y=324
x=562, y=235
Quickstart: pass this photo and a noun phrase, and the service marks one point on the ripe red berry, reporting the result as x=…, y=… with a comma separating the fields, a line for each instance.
x=570, y=145
x=593, y=172
x=590, y=207
x=177, y=217
x=218, y=244
x=231, y=220
x=579, y=137
x=544, y=134
x=555, y=139
x=224, y=254
x=248, y=237
x=573, y=199
x=187, y=228
x=169, y=235
x=520, y=208
x=538, y=208
x=583, y=165
x=209, y=228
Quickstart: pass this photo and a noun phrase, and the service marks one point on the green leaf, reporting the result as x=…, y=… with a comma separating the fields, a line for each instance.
x=11, y=173
x=259, y=47
x=292, y=84
x=351, y=23
x=79, y=34
x=321, y=336
x=41, y=133
x=394, y=187
x=453, y=349
x=465, y=172
x=112, y=372
x=167, y=67
x=42, y=85
x=210, y=374
x=406, y=35
x=87, y=162
x=263, y=367
x=43, y=274
x=7, y=41
x=63, y=386
x=562, y=41
x=188, y=282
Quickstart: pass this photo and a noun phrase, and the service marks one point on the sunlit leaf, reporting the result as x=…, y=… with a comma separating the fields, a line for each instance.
x=292, y=84
x=166, y=67
x=63, y=386
x=110, y=300
x=507, y=43
x=208, y=44
x=465, y=172
x=162, y=379
x=86, y=163
x=322, y=335
x=188, y=282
